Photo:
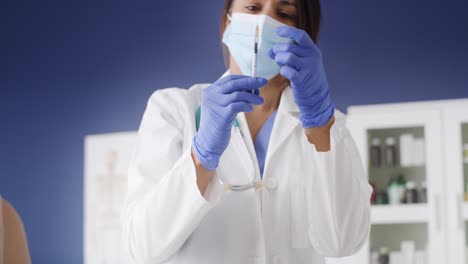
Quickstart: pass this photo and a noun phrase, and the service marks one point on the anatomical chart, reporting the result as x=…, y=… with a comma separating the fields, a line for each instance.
x=107, y=158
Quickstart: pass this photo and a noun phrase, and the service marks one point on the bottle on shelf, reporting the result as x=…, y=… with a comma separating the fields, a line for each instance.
x=408, y=249
x=406, y=149
x=381, y=197
x=396, y=257
x=396, y=189
x=465, y=153
x=419, y=151
x=406, y=255
x=376, y=153
x=384, y=257
x=420, y=257
x=390, y=152
x=423, y=193
x=412, y=150
x=466, y=192
x=411, y=194
x=374, y=191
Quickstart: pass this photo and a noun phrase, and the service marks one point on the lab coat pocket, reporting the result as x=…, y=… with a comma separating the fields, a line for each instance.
x=299, y=224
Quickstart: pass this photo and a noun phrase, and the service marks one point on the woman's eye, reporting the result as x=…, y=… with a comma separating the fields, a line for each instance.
x=286, y=15
x=252, y=8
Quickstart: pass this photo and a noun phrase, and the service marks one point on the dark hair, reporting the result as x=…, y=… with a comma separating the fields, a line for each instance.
x=308, y=17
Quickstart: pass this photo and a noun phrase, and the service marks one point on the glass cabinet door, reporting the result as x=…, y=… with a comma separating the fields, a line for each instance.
x=397, y=173
x=402, y=153
x=456, y=174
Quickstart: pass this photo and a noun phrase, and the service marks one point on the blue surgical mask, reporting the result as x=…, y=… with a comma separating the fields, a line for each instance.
x=239, y=37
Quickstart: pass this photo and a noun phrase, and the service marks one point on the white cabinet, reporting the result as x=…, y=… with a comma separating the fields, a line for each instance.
x=423, y=143
x=455, y=132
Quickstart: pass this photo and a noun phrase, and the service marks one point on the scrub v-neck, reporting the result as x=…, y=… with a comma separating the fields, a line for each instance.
x=262, y=140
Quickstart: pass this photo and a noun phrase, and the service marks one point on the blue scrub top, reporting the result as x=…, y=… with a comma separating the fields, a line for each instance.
x=262, y=140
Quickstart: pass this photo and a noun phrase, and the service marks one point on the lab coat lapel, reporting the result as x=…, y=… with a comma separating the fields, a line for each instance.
x=236, y=164
x=287, y=119
x=249, y=144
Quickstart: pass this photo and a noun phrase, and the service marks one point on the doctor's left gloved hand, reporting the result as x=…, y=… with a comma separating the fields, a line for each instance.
x=220, y=104
x=301, y=63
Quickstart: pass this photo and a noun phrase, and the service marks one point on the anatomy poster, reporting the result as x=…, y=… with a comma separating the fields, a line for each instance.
x=107, y=158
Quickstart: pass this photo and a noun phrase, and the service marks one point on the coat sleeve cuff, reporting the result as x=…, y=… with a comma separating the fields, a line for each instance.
x=337, y=134
x=214, y=189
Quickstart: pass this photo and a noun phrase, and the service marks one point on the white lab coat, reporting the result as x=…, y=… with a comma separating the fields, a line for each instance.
x=314, y=204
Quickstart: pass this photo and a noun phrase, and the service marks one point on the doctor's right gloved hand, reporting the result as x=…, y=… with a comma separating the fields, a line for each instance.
x=220, y=104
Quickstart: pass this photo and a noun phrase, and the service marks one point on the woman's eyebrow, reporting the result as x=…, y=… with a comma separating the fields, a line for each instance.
x=287, y=3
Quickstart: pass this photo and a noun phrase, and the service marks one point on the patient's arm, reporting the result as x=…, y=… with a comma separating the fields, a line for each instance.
x=15, y=246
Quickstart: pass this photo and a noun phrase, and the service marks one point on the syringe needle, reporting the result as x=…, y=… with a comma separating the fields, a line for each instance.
x=255, y=53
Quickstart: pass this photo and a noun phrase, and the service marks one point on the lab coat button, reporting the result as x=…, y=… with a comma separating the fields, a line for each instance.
x=271, y=184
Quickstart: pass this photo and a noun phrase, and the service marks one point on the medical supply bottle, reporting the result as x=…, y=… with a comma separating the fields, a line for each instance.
x=423, y=193
x=411, y=194
x=396, y=189
x=466, y=192
x=374, y=190
x=390, y=152
x=375, y=153
x=465, y=153
x=384, y=258
x=381, y=197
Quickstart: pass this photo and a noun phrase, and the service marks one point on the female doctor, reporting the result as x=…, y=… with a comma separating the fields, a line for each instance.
x=249, y=169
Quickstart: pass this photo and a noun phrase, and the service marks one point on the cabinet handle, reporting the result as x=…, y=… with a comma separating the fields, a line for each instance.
x=459, y=201
x=438, y=216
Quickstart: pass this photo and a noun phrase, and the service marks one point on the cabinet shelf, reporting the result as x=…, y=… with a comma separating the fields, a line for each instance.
x=400, y=214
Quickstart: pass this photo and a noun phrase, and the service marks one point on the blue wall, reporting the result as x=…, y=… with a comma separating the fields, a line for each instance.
x=72, y=68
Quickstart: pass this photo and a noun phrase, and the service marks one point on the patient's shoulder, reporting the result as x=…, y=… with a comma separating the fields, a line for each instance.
x=15, y=246
x=10, y=216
